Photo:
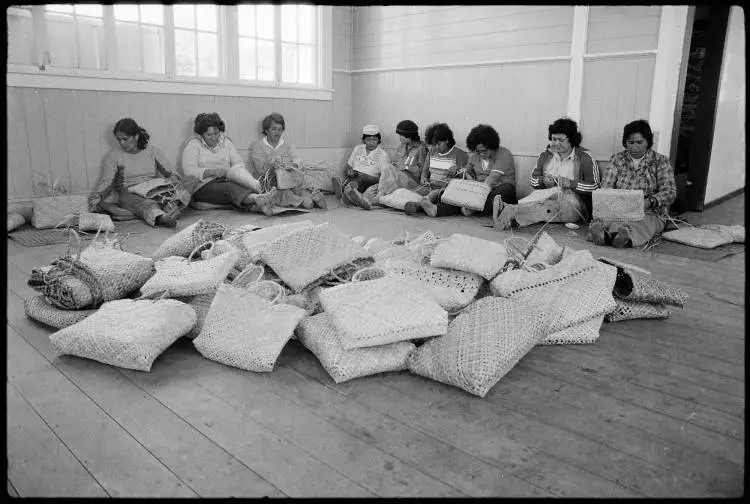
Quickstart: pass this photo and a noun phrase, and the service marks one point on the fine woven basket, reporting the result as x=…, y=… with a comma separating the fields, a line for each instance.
x=182, y=243
x=305, y=255
x=150, y=188
x=737, y=231
x=618, y=205
x=320, y=336
x=371, y=273
x=88, y=221
x=126, y=333
x=698, y=237
x=49, y=211
x=635, y=286
x=318, y=175
x=576, y=289
x=289, y=179
x=467, y=253
x=179, y=277
x=452, y=289
x=483, y=343
x=629, y=310
x=399, y=198
x=256, y=241
x=245, y=331
x=381, y=311
x=15, y=220
x=466, y=194
x=375, y=245
x=40, y=310
x=586, y=332
x=200, y=304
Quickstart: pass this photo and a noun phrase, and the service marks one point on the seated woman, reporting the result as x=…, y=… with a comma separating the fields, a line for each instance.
x=565, y=165
x=444, y=162
x=272, y=152
x=136, y=161
x=637, y=167
x=211, y=157
x=363, y=168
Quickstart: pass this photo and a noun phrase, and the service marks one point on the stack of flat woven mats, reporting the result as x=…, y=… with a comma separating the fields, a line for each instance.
x=709, y=242
x=460, y=310
x=29, y=236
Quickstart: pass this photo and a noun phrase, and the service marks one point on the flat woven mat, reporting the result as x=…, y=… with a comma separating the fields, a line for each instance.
x=28, y=236
x=711, y=255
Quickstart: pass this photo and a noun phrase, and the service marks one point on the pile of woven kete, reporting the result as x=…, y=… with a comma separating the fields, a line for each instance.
x=460, y=310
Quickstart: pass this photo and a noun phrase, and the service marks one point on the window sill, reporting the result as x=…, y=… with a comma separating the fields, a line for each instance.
x=25, y=76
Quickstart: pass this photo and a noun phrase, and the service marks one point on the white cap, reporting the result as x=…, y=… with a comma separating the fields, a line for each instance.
x=371, y=129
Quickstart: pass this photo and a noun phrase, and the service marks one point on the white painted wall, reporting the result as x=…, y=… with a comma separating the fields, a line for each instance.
x=726, y=172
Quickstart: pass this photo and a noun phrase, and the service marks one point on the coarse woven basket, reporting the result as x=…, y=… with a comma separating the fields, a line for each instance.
x=256, y=241
x=542, y=250
x=182, y=243
x=49, y=211
x=399, y=198
x=576, y=289
x=126, y=333
x=464, y=193
x=586, y=332
x=319, y=175
x=307, y=254
x=100, y=273
x=37, y=308
x=698, y=237
x=200, y=304
x=245, y=331
x=381, y=311
x=452, y=289
x=630, y=310
x=467, y=253
x=320, y=336
x=289, y=179
x=483, y=343
x=632, y=285
x=15, y=220
x=180, y=277
x=617, y=205
x=88, y=221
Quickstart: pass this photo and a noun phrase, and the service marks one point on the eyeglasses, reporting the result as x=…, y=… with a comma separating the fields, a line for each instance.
x=482, y=150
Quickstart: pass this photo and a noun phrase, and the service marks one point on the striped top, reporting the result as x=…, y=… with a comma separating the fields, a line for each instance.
x=440, y=164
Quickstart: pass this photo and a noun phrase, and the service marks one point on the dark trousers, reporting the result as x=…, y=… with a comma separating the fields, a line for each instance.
x=222, y=192
x=361, y=180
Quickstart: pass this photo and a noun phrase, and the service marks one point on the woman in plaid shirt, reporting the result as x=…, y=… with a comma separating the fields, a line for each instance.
x=637, y=167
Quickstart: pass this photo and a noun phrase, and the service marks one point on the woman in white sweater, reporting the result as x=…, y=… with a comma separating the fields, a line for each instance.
x=211, y=157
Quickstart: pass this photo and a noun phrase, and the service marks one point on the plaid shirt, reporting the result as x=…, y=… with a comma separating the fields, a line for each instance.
x=654, y=176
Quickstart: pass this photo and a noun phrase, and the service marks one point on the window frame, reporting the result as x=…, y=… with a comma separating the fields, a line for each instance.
x=44, y=75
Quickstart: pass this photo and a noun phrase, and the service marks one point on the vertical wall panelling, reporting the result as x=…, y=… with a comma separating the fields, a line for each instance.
x=56, y=121
x=90, y=136
x=19, y=163
x=73, y=137
x=577, y=50
x=36, y=132
x=620, y=28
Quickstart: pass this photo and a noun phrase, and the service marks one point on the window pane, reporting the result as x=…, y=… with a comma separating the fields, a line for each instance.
x=61, y=34
x=266, y=61
x=289, y=23
x=20, y=37
x=208, y=55
x=153, y=49
x=289, y=62
x=128, y=46
x=307, y=64
x=91, y=43
x=265, y=21
x=246, y=20
x=247, y=58
x=126, y=12
x=207, y=17
x=153, y=14
x=89, y=10
x=307, y=24
x=59, y=8
x=184, y=16
x=184, y=44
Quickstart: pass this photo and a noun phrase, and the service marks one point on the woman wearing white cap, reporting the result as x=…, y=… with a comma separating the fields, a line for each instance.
x=364, y=166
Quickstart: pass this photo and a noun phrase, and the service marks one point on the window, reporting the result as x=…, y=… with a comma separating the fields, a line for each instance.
x=245, y=46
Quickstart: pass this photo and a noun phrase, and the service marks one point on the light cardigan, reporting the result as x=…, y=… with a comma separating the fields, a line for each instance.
x=197, y=157
x=139, y=167
x=261, y=152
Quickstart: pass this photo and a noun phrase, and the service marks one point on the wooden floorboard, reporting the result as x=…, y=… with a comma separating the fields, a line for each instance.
x=653, y=409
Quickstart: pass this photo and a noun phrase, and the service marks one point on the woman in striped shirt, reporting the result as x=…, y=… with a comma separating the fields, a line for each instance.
x=567, y=173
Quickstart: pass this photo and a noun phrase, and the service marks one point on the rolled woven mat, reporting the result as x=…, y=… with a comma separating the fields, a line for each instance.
x=483, y=343
x=40, y=310
x=632, y=285
x=99, y=274
x=320, y=336
x=245, y=331
x=182, y=243
x=126, y=333
x=629, y=310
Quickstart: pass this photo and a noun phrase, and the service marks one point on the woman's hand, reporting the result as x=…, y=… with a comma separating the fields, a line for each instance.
x=452, y=171
x=549, y=181
x=647, y=203
x=94, y=200
x=349, y=172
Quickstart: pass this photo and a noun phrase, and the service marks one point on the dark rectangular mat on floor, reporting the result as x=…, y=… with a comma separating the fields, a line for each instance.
x=711, y=255
x=28, y=236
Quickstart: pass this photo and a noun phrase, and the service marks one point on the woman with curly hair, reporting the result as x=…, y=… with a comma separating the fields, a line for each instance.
x=444, y=162
x=272, y=153
x=137, y=161
x=211, y=157
x=564, y=166
x=637, y=167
